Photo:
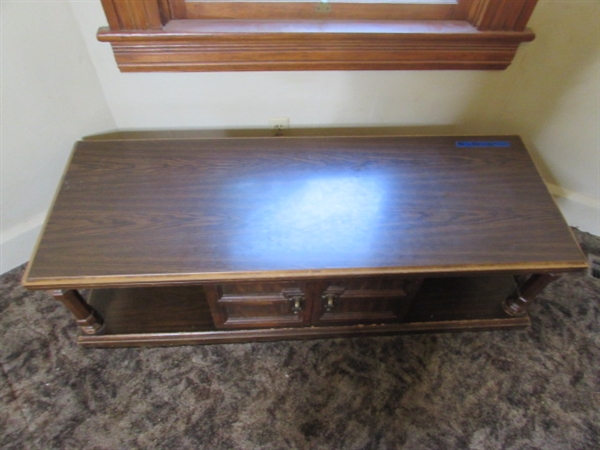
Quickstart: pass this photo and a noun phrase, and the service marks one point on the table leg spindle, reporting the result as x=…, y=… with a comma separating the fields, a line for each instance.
x=516, y=304
x=89, y=321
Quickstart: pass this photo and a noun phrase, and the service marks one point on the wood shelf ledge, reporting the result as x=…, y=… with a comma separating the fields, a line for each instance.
x=221, y=45
x=180, y=315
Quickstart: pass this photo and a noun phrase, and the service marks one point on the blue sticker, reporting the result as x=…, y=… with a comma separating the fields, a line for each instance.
x=471, y=144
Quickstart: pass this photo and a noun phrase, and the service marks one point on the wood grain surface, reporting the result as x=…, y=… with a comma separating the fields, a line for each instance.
x=165, y=212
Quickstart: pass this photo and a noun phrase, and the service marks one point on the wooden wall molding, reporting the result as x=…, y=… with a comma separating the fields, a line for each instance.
x=494, y=15
x=133, y=14
x=146, y=37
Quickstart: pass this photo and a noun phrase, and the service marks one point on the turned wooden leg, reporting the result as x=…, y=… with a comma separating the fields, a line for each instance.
x=89, y=321
x=516, y=304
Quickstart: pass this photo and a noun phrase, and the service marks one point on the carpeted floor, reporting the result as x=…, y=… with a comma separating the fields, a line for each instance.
x=532, y=389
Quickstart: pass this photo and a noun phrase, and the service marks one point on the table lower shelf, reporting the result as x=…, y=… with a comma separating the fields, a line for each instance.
x=181, y=316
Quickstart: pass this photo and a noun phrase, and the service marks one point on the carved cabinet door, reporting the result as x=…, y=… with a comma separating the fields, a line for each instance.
x=363, y=300
x=259, y=304
x=328, y=302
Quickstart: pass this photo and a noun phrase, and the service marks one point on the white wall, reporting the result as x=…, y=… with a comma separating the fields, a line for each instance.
x=51, y=96
x=550, y=95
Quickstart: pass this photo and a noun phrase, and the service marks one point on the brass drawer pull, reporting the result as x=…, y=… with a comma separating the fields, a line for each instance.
x=330, y=297
x=329, y=301
x=297, y=301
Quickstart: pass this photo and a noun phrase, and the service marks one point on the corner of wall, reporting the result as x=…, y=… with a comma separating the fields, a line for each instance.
x=17, y=243
x=52, y=91
x=580, y=211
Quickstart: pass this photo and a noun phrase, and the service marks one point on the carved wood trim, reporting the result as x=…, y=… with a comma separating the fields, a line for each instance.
x=134, y=14
x=214, y=51
x=153, y=35
x=494, y=15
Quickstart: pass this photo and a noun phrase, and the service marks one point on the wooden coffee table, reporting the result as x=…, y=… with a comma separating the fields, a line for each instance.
x=185, y=241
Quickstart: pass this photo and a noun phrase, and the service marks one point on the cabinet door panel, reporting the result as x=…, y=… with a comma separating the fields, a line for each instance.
x=251, y=305
x=367, y=300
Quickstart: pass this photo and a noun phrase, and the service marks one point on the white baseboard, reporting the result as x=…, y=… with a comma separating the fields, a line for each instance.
x=580, y=211
x=18, y=242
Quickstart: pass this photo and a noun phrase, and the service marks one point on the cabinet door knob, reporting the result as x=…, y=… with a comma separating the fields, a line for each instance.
x=329, y=301
x=297, y=301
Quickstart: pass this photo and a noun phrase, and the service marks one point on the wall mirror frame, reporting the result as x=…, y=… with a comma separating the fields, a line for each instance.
x=180, y=36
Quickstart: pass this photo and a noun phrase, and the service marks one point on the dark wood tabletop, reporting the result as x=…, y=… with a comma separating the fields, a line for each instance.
x=167, y=212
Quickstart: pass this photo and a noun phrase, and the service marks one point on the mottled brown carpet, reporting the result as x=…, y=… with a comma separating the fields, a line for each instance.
x=532, y=389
